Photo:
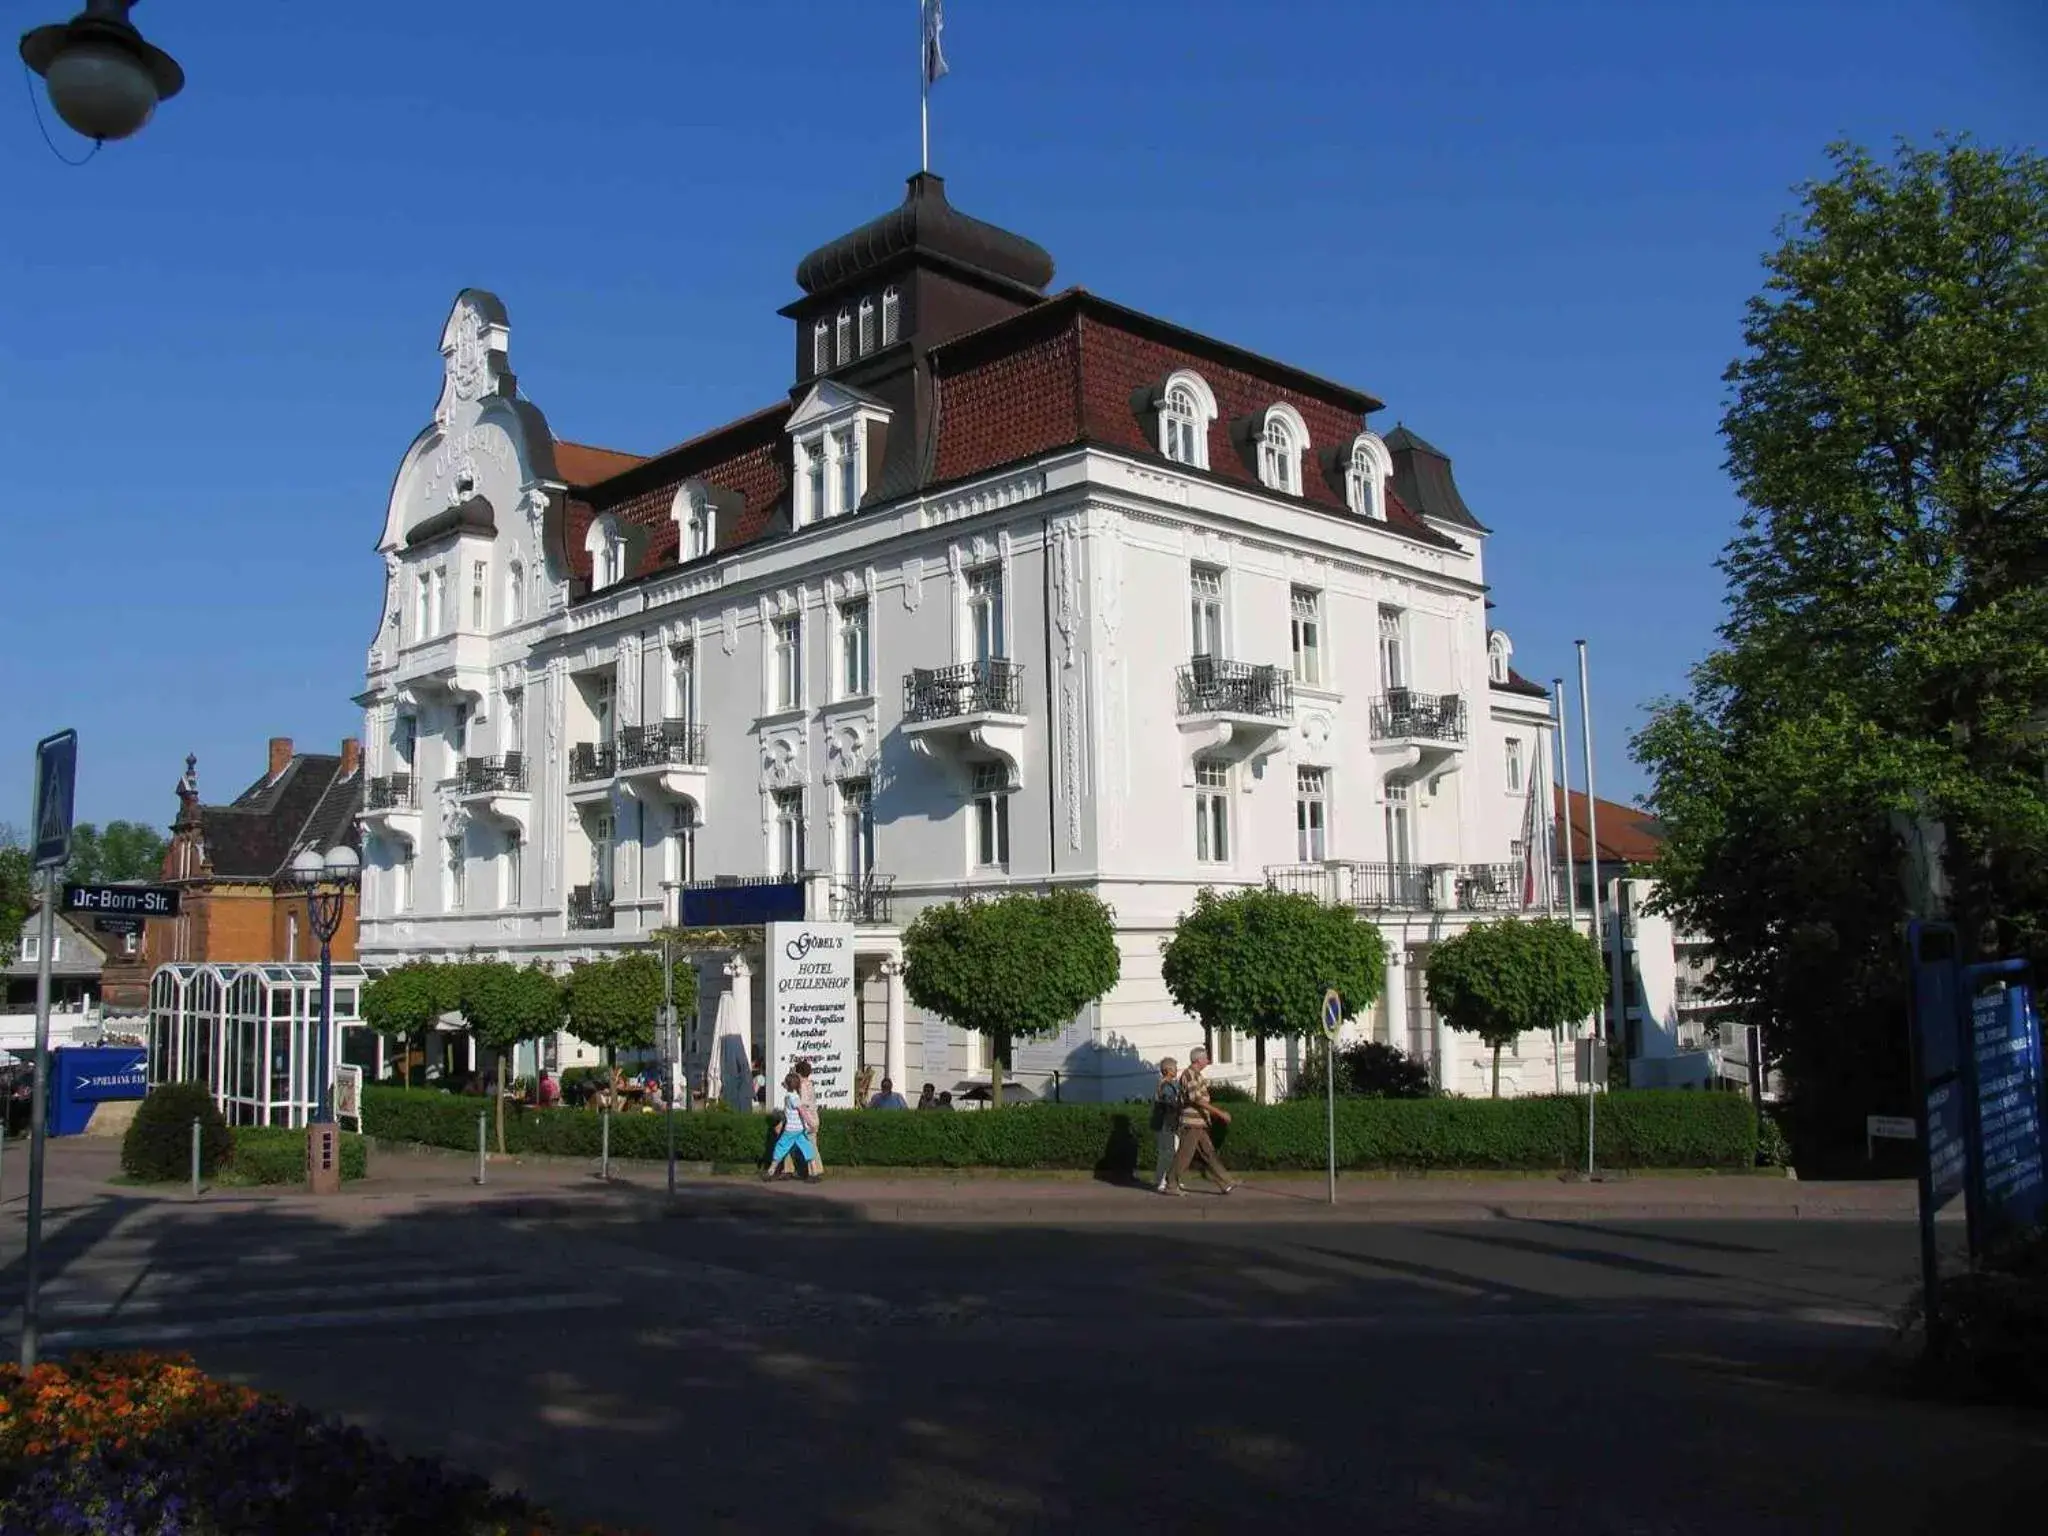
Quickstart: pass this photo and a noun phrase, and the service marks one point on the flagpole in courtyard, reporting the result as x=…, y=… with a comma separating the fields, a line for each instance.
x=1592, y=813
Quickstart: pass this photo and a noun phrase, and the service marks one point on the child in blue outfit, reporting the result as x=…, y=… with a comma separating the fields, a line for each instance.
x=796, y=1132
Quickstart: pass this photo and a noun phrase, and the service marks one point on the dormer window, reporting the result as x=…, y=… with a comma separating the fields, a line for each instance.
x=696, y=522
x=845, y=330
x=1281, y=441
x=821, y=346
x=1186, y=407
x=1498, y=651
x=832, y=434
x=606, y=543
x=892, y=316
x=867, y=326
x=1365, y=479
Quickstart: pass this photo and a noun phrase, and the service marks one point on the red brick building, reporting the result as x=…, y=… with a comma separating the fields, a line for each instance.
x=231, y=863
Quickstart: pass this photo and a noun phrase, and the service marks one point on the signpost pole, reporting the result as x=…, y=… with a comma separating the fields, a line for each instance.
x=1333, y=1019
x=46, y=927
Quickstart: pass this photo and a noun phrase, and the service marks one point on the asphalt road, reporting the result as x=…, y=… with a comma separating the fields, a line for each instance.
x=803, y=1370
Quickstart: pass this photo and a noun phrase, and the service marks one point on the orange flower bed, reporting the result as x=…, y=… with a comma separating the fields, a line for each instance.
x=98, y=1398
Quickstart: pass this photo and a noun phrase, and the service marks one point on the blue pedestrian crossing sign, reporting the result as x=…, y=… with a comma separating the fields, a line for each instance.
x=56, y=783
x=1333, y=1011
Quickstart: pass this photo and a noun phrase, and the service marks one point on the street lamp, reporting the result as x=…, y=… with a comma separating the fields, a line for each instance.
x=327, y=880
x=104, y=79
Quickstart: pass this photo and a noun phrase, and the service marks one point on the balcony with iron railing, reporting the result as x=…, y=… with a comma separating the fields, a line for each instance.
x=868, y=900
x=968, y=715
x=1232, y=711
x=1402, y=714
x=1209, y=685
x=592, y=767
x=589, y=908
x=391, y=792
x=501, y=775
x=932, y=694
x=1370, y=887
x=664, y=744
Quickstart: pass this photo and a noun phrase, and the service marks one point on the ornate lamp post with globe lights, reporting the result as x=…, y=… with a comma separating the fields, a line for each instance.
x=104, y=79
x=327, y=878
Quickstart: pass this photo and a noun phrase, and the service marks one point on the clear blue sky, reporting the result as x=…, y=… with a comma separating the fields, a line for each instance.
x=1528, y=227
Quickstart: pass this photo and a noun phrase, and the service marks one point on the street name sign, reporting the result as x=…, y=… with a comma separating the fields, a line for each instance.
x=1892, y=1128
x=136, y=901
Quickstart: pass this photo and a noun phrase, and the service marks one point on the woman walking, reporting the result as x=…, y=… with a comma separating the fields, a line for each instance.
x=796, y=1134
x=1165, y=1121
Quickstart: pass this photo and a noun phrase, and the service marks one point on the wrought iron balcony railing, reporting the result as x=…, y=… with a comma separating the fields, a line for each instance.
x=392, y=792
x=1491, y=888
x=1402, y=714
x=1208, y=685
x=1405, y=887
x=667, y=743
x=590, y=908
x=592, y=762
x=505, y=774
x=867, y=900
x=972, y=688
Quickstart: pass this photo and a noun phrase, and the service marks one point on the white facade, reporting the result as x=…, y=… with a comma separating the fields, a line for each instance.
x=540, y=768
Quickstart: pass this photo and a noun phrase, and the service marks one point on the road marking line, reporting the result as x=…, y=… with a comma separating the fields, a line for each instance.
x=112, y=1307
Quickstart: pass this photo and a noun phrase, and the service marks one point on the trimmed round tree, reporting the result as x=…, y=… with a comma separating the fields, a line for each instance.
x=1015, y=968
x=402, y=1005
x=1517, y=976
x=613, y=1003
x=1258, y=961
x=505, y=1006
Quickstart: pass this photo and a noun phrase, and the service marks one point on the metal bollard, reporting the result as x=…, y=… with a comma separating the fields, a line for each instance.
x=195, y=1157
x=604, y=1151
x=482, y=1145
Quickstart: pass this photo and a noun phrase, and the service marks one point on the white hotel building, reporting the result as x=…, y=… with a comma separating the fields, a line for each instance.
x=1011, y=589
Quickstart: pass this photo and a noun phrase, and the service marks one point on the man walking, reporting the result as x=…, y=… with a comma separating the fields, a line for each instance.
x=1196, y=1115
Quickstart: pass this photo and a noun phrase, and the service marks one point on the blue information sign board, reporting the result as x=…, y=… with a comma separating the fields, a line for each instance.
x=84, y=1077
x=2005, y=1051
x=743, y=906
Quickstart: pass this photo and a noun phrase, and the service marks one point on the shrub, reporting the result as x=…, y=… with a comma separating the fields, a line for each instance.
x=158, y=1146
x=1650, y=1129
x=271, y=1154
x=1367, y=1069
x=1229, y=1093
x=1773, y=1150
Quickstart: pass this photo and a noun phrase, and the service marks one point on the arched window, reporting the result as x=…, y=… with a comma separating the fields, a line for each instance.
x=1281, y=441
x=1365, y=478
x=606, y=545
x=821, y=347
x=846, y=336
x=867, y=326
x=1498, y=650
x=1186, y=407
x=892, y=316
x=696, y=522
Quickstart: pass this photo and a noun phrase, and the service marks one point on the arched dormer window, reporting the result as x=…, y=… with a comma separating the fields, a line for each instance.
x=845, y=336
x=1365, y=478
x=867, y=326
x=892, y=316
x=606, y=544
x=696, y=522
x=821, y=346
x=1186, y=407
x=1282, y=441
x=1498, y=651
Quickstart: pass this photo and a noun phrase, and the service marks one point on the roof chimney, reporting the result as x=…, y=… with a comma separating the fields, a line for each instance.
x=351, y=756
x=280, y=754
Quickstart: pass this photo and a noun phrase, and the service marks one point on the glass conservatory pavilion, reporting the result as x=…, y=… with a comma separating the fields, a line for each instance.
x=247, y=1032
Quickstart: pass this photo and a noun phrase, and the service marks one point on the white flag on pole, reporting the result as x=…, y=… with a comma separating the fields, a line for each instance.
x=934, y=50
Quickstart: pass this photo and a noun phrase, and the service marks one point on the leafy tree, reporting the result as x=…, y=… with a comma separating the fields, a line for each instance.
x=404, y=1004
x=1517, y=976
x=1883, y=666
x=1015, y=968
x=505, y=1006
x=613, y=1002
x=1258, y=961
x=17, y=889
x=123, y=850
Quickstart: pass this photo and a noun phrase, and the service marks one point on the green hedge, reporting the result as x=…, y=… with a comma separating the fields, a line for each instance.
x=271, y=1154
x=1635, y=1129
